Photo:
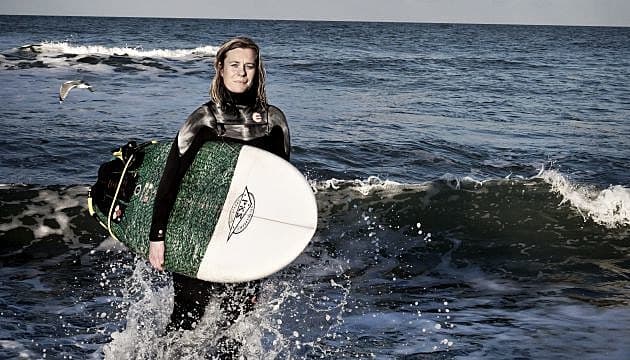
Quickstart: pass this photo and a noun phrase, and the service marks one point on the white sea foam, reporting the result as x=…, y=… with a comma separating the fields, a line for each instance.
x=136, y=52
x=609, y=207
x=49, y=213
x=362, y=186
x=17, y=347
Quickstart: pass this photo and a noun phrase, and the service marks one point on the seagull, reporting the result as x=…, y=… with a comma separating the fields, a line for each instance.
x=69, y=85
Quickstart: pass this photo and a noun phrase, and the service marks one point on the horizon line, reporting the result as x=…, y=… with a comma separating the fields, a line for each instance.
x=390, y=21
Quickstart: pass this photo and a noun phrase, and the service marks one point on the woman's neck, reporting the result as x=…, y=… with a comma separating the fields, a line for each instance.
x=247, y=98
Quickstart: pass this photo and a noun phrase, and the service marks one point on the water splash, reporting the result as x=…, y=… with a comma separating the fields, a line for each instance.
x=608, y=207
x=278, y=326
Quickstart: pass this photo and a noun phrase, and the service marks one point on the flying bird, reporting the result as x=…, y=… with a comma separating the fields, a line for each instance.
x=69, y=85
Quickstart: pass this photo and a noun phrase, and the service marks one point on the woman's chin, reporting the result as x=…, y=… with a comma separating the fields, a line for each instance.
x=238, y=88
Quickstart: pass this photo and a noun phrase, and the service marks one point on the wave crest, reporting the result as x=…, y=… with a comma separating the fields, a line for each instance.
x=609, y=207
x=362, y=186
x=134, y=52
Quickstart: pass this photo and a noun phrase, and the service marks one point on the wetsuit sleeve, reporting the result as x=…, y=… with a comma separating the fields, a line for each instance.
x=280, y=136
x=197, y=129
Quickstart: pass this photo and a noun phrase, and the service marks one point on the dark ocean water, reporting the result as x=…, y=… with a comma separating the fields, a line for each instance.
x=472, y=180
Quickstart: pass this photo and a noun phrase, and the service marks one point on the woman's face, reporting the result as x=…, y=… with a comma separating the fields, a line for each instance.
x=239, y=69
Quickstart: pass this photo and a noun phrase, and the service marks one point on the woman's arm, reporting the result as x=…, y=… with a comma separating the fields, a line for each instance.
x=194, y=133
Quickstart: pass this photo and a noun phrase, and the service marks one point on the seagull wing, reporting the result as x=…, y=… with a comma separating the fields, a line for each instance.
x=65, y=89
x=69, y=85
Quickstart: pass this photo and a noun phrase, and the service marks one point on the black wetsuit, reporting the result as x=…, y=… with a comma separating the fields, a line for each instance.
x=238, y=122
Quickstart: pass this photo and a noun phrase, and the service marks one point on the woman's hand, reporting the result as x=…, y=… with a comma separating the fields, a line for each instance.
x=156, y=255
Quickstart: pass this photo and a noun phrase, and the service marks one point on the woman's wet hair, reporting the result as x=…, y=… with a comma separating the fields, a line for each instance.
x=218, y=92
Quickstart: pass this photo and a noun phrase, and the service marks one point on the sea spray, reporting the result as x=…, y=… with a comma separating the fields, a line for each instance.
x=609, y=207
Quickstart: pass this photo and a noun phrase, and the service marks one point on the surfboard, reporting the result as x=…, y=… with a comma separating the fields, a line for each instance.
x=241, y=213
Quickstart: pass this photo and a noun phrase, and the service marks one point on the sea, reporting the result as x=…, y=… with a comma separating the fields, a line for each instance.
x=472, y=183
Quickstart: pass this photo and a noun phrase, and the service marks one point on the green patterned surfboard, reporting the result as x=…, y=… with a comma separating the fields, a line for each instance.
x=241, y=213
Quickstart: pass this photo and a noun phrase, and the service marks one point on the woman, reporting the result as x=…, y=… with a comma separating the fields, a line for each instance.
x=238, y=111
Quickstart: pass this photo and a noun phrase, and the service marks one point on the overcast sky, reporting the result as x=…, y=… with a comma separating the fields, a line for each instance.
x=556, y=12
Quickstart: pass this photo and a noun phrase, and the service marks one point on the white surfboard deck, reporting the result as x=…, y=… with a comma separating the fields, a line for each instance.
x=268, y=219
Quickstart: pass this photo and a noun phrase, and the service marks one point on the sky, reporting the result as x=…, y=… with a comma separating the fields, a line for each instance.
x=547, y=12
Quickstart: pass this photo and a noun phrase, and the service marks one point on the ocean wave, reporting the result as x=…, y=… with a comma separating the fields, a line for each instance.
x=362, y=186
x=609, y=207
x=133, y=52
x=34, y=214
x=35, y=218
x=102, y=58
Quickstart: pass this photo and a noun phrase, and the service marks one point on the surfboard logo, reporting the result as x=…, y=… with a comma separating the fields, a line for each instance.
x=145, y=193
x=242, y=212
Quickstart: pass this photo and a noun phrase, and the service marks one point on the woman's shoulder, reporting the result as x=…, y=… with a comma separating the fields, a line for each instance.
x=274, y=109
x=201, y=116
x=202, y=111
x=276, y=116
